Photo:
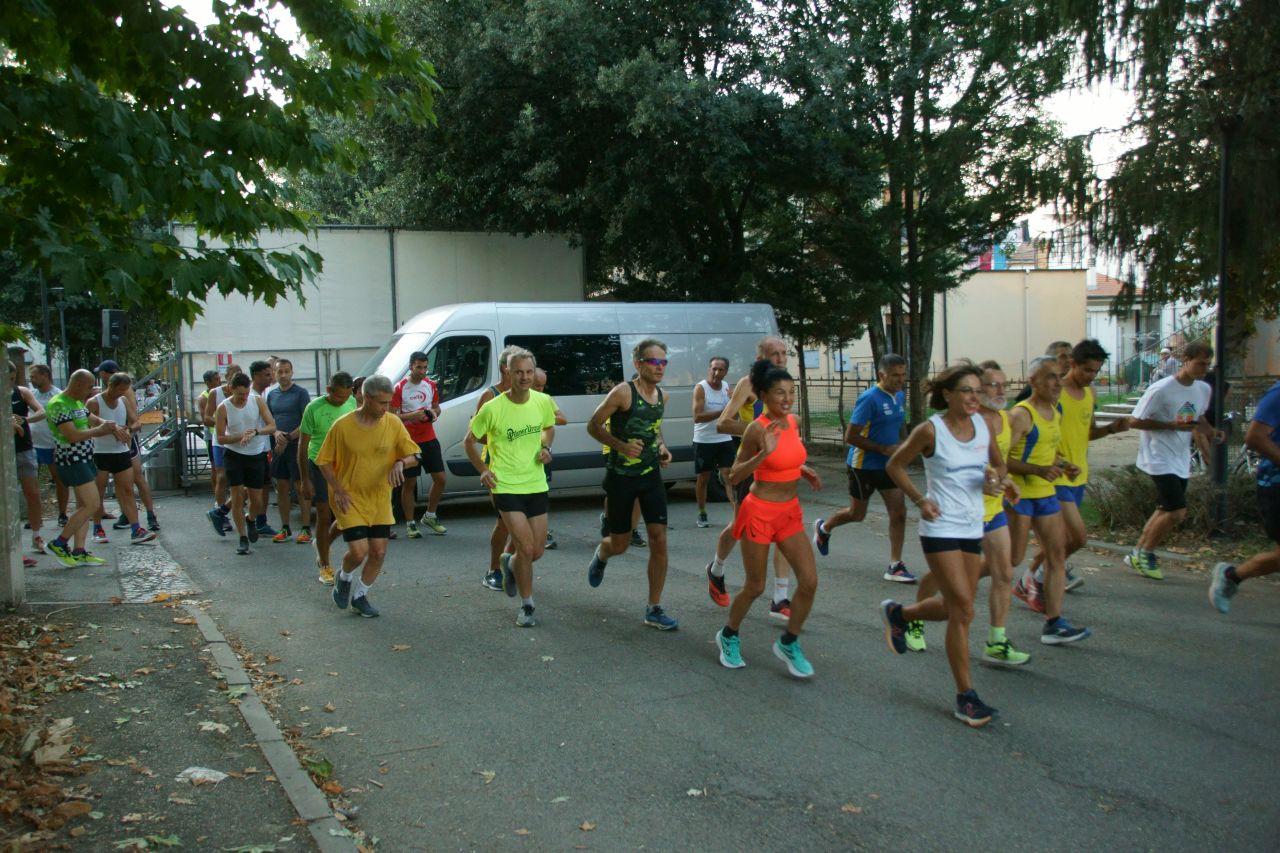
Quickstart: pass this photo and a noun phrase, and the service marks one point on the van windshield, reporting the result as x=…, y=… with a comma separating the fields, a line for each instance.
x=392, y=360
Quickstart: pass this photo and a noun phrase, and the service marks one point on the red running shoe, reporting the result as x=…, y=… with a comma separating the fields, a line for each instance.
x=715, y=587
x=1028, y=591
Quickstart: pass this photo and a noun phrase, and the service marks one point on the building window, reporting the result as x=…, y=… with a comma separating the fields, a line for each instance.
x=575, y=364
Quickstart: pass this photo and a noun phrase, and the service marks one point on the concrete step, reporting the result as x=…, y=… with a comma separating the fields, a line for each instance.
x=1117, y=408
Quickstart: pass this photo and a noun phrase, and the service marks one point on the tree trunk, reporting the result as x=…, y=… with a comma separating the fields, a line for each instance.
x=805, y=431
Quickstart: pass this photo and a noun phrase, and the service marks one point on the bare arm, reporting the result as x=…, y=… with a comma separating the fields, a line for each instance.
x=757, y=443
x=472, y=446
x=37, y=411
x=701, y=414
x=1258, y=439
x=728, y=423
x=853, y=435
x=618, y=399
x=1116, y=426
x=919, y=442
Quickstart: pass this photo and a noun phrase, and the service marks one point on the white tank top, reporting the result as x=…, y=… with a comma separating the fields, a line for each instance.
x=705, y=433
x=117, y=415
x=242, y=420
x=955, y=474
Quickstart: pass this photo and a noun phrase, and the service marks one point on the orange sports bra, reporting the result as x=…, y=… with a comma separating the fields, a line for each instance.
x=783, y=464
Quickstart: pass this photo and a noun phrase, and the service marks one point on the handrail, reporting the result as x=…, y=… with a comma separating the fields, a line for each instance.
x=1195, y=329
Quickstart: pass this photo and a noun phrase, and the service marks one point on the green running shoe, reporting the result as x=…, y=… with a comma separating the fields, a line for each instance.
x=63, y=555
x=1004, y=654
x=433, y=522
x=86, y=559
x=915, y=636
x=1145, y=565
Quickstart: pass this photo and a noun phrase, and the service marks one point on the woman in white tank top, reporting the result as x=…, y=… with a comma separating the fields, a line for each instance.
x=960, y=461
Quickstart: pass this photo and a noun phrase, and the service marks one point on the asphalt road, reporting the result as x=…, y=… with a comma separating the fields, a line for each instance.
x=593, y=731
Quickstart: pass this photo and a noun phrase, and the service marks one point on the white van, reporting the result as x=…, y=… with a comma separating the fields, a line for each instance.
x=585, y=348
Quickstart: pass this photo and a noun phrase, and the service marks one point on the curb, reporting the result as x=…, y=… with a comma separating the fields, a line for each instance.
x=1168, y=556
x=308, y=802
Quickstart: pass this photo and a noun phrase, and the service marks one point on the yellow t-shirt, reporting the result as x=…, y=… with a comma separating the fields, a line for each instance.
x=993, y=506
x=362, y=457
x=1038, y=447
x=1077, y=417
x=514, y=441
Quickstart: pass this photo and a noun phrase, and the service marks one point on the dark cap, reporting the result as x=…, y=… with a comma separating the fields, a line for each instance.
x=107, y=366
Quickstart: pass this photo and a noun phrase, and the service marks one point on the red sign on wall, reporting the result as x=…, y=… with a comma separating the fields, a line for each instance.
x=224, y=359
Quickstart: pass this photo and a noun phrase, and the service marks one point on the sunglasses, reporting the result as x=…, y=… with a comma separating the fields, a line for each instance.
x=656, y=362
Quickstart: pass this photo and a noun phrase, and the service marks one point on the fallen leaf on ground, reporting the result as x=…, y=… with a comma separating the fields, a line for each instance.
x=210, y=726
x=115, y=599
x=487, y=775
x=400, y=647
x=72, y=808
x=181, y=801
x=144, y=670
x=560, y=799
x=329, y=707
x=333, y=674
x=697, y=792
x=184, y=620
x=850, y=808
x=332, y=787
x=159, y=597
x=295, y=681
x=284, y=633
x=273, y=659
x=586, y=826
x=200, y=776
x=132, y=817
x=547, y=658
x=521, y=832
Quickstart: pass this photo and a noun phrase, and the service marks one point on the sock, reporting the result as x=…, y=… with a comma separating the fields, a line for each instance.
x=788, y=638
x=428, y=514
x=79, y=551
x=1049, y=623
x=361, y=589
x=526, y=602
x=717, y=567
x=137, y=528
x=728, y=632
x=995, y=635
x=649, y=608
x=781, y=587
x=702, y=508
x=345, y=576
x=1232, y=576
x=60, y=542
x=822, y=527
x=261, y=520
x=1150, y=555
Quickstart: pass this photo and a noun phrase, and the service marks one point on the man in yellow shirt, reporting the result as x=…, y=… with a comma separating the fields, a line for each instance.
x=362, y=459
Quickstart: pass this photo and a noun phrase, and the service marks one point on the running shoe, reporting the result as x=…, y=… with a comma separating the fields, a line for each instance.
x=264, y=529
x=243, y=548
x=37, y=543
x=595, y=570
x=393, y=534
x=895, y=627
x=702, y=520
x=218, y=520
x=821, y=538
x=637, y=541
x=1074, y=581
x=915, y=636
x=1222, y=588
x=254, y=532
x=897, y=572
x=1028, y=592
x=1004, y=654
x=153, y=523
x=524, y=616
x=1059, y=631
x=341, y=592
x=108, y=515
x=654, y=617
x=551, y=544
x=141, y=536
x=304, y=537
x=730, y=653
x=84, y=558
x=326, y=575
x=715, y=588
x=122, y=523
x=362, y=606
x=284, y=535
x=781, y=610
x=972, y=711
x=492, y=580
x=604, y=526
x=29, y=562
x=100, y=535
x=412, y=531
x=793, y=656
x=508, y=575
x=62, y=519
x=63, y=555
x=434, y=523
x=1146, y=565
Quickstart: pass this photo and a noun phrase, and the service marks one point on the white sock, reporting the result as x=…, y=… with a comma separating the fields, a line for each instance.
x=717, y=567
x=781, y=589
x=526, y=602
x=345, y=576
x=428, y=514
x=361, y=589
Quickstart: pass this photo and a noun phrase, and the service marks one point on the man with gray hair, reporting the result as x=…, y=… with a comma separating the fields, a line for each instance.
x=1061, y=350
x=873, y=434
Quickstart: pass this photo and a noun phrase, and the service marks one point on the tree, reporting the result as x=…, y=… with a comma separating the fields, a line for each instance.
x=125, y=113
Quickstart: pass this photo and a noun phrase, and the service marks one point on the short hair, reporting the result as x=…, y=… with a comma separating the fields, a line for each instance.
x=765, y=374
x=716, y=358
x=504, y=357
x=232, y=370
x=637, y=351
x=210, y=375
x=341, y=379
x=41, y=368
x=518, y=353
x=357, y=384
x=1052, y=349
x=1033, y=366
x=280, y=361
x=991, y=364
x=890, y=359
x=241, y=380
x=1197, y=349
x=119, y=378
x=1088, y=350
x=256, y=367
x=948, y=379
x=417, y=355
x=764, y=343
x=377, y=384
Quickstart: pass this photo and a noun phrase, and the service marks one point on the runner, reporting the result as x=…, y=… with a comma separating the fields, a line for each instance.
x=212, y=379
x=111, y=458
x=43, y=389
x=743, y=408
x=874, y=432
x=1035, y=461
x=218, y=515
x=363, y=458
x=244, y=427
x=1059, y=350
x=1263, y=438
x=1167, y=413
x=262, y=374
x=106, y=370
x=416, y=400
x=518, y=428
x=498, y=537
x=1077, y=404
x=287, y=401
x=317, y=420
x=74, y=429
x=773, y=456
x=25, y=410
x=540, y=385
x=712, y=451
x=961, y=465
x=633, y=473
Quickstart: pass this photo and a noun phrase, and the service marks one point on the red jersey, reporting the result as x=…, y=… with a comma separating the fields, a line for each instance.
x=407, y=398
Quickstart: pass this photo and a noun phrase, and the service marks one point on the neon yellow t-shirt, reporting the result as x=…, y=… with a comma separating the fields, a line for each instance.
x=992, y=506
x=513, y=434
x=362, y=457
x=1038, y=447
x=1077, y=417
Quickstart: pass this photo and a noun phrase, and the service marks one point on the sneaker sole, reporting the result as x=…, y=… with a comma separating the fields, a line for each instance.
x=658, y=627
x=531, y=623
x=1055, y=640
x=972, y=722
x=896, y=579
x=777, y=652
x=1001, y=663
x=781, y=617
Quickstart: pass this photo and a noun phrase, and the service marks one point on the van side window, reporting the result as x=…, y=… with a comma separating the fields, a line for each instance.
x=459, y=365
x=575, y=364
